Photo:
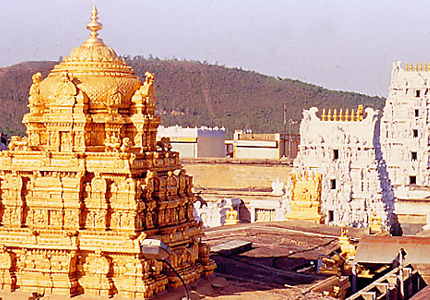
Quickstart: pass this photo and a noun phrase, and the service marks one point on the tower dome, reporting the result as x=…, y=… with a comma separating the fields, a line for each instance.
x=96, y=70
x=92, y=101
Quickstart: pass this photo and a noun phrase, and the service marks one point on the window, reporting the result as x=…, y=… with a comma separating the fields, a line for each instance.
x=414, y=155
x=333, y=184
x=415, y=132
x=335, y=154
x=417, y=93
x=331, y=216
x=412, y=179
x=417, y=113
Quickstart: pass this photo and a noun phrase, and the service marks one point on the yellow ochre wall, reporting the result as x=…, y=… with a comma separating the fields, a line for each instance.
x=229, y=173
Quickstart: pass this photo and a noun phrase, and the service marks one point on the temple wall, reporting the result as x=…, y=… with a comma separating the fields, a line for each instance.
x=211, y=146
x=186, y=149
x=195, y=142
x=236, y=173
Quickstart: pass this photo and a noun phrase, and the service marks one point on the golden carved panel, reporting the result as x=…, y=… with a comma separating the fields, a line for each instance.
x=305, y=203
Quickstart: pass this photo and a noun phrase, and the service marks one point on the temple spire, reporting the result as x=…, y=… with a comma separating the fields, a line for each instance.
x=94, y=26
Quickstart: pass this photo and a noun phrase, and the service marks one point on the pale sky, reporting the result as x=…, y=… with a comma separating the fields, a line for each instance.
x=338, y=44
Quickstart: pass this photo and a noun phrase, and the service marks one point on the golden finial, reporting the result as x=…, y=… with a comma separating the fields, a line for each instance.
x=323, y=116
x=360, y=111
x=329, y=115
x=94, y=26
x=341, y=115
x=416, y=67
x=352, y=115
x=426, y=67
x=421, y=67
x=335, y=115
x=347, y=115
x=343, y=230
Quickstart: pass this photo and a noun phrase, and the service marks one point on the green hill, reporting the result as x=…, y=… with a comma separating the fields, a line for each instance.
x=198, y=94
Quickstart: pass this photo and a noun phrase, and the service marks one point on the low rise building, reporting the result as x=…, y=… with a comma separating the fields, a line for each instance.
x=195, y=142
x=263, y=145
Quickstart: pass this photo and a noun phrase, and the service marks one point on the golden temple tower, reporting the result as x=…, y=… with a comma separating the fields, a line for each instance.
x=89, y=183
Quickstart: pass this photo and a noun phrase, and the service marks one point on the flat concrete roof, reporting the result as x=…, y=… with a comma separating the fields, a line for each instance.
x=385, y=249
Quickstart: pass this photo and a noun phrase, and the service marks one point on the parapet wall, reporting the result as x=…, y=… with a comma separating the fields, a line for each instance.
x=230, y=173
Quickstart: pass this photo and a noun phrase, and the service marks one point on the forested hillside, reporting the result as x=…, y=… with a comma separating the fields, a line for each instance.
x=198, y=94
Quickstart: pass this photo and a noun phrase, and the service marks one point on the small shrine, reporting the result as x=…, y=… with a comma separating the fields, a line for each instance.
x=305, y=203
x=375, y=225
x=346, y=247
x=90, y=182
x=231, y=217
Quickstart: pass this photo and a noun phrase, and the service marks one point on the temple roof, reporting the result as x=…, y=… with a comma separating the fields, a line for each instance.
x=95, y=69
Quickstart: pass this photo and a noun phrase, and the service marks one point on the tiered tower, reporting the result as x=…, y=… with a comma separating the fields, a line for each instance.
x=344, y=148
x=405, y=125
x=89, y=183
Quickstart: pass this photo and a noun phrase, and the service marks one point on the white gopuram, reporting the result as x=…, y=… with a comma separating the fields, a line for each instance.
x=405, y=142
x=345, y=149
x=405, y=126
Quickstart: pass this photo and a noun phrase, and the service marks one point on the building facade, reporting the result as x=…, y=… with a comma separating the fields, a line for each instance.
x=262, y=145
x=195, y=142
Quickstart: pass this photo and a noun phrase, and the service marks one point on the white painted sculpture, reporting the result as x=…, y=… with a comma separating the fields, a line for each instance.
x=213, y=214
x=277, y=187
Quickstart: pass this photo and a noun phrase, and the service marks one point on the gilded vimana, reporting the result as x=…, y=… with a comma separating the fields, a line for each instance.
x=90, y=183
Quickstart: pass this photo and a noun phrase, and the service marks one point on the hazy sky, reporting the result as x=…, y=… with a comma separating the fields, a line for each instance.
x=338, y=44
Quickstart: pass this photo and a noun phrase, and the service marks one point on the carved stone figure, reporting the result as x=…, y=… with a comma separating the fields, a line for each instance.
x=164, y=144
x=34, y=92
x=126, y=144
x=18, y=143
x=112, y=143
x=65, y=95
